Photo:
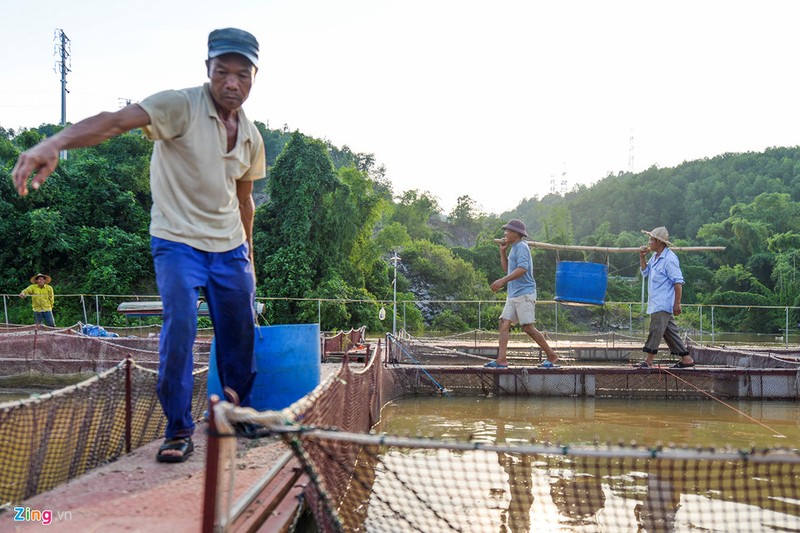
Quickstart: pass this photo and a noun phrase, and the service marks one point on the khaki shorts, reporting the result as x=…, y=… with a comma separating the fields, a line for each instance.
x=520, y=309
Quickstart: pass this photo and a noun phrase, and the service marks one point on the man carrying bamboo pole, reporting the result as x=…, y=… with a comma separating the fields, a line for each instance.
x=521, y=300
x=664, y=291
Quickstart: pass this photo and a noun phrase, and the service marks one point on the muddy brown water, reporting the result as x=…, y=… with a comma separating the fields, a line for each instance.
x=517, y=493
x=586, y=420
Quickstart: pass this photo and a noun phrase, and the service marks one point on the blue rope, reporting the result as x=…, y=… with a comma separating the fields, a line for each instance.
x=441, y=389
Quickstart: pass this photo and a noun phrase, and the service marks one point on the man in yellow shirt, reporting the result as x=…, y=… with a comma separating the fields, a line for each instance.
x=42, y=299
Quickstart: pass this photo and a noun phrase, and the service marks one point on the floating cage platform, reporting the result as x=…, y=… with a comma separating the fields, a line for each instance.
x=598, y=370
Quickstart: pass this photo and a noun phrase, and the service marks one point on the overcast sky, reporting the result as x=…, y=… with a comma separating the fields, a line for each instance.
x=495, y=99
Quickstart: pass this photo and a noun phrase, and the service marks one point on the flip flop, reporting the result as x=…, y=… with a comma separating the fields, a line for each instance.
x=183, y=445
x=548, y=364
x=681, y=364
x=643, y=364
x=493, y=364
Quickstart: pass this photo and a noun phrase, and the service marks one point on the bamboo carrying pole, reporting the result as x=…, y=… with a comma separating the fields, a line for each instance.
x=575, y=248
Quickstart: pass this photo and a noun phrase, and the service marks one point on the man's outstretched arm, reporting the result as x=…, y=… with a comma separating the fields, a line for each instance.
x=41, y=160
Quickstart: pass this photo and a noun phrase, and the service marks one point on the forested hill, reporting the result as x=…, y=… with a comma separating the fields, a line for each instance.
x=328, y=222
x=682, y=198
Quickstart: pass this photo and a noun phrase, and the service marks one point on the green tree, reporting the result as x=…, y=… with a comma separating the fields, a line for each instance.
x=448, y=275
x=739, y=279
x=287, y=229
x=392, y=237
x=558, y=227
x=86, y=226
x=448, y=320
x=315, y=235
x=466, y=212
x=409, y=315
x=414, y=211
x=783, y=242
x=786, y=277
x=742, y=318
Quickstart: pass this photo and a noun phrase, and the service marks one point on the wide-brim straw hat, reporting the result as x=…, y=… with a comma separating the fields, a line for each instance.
x=660, y=233
x=518, y=226
x=40, y=275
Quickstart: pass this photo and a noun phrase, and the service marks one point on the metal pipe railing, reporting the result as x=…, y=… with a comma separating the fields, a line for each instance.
x=102, y=312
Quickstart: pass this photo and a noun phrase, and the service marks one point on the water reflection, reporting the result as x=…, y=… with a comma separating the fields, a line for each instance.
x=578, y=495
x=434, y=490
x=703, y=423
x=656, y=513
x=517, y=517
x=399, y=489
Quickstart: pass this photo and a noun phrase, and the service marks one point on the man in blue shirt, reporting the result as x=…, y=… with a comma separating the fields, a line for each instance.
x=664, y=290
x=521, y=300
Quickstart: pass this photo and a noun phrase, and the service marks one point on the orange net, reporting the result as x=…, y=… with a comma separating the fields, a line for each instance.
x=53, y=437
x=368, y=482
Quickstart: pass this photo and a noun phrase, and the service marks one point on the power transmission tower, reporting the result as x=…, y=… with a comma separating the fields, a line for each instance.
x=630, y=155
x=62, y=67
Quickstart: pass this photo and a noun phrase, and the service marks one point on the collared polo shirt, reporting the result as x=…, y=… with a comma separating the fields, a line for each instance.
x=192, y=175
x=662, y=273
x=520, y=256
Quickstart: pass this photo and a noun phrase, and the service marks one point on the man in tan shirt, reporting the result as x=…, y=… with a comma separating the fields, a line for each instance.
x=206, y=156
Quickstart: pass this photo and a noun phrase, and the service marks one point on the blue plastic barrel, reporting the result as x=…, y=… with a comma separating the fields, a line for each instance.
x=581, y=282
x=288, y=363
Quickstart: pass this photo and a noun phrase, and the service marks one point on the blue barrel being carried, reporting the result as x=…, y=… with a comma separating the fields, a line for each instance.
x=581, y=282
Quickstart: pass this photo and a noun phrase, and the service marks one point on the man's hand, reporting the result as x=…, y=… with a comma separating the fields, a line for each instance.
x=676, y=309
x=41, y=160
x=498, y=284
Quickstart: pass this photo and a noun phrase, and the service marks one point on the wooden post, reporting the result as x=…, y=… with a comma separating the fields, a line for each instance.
x=128, y=406
x=212, y=469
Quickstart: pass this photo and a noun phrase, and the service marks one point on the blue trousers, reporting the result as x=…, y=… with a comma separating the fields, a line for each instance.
x=227, y=282
x=44, y=316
